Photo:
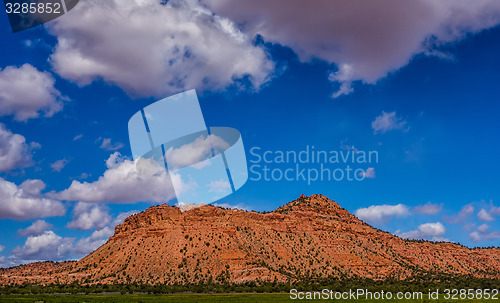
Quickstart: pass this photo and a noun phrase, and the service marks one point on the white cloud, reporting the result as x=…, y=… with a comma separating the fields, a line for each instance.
x=464, y=213
x=381, y=213
x=152, y=48
x=368, y=173
x=475, y=236
x=219, y=186
x=483, y=215
x=428, y=209
x=89, y=216
x=37, y=228
x=367, y=40
x=32, y=187
x=59, y=165
x=78, y=137
x=47, y=246
x=122, y=182
x=83, y=176
x=387, y=122
x=483, y=234
x=488, y=215
x=427, y=230
x=26, y=201
x=344, y=76
x=28, y=93
x=195, y=152
x=483, y=228
x=495, y=211
x=87, y=245
x=1, y=248
x=14, y=152
x=115, y=160
x=109, y=146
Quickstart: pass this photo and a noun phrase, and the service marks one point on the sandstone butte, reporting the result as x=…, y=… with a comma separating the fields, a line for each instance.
x=310, y=237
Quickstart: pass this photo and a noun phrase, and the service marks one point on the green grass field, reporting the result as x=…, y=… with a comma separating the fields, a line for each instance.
x=184, y=298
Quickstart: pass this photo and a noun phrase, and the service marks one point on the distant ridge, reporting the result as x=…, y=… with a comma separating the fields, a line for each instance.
x=306, y=238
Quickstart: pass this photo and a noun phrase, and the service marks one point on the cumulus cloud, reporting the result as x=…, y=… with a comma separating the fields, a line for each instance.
x=37, y=228
x=484, y=215
x=387, y=122
x=220, y=186
x=32, y=187
x=14, y=151
x=115, y=160
x=382, y=213
x=26, y=93
x=89, y=216
x=344, y=76
x=366, y=40
x=483, y=228
x=488, y=215
x=464, y=213
x=368, y=173
x=195, y=152
x=106, y=144
x=122, y=182
x=47, y=246
x=483, y=234
x=83, y=176
x=428, y=209
x=495, y=211
x=150, y=47
x=433, y=231
x=26, y=201
x=59, y=165
x=87, y=245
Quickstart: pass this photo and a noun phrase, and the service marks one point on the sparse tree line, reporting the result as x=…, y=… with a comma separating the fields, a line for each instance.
x=422, y=282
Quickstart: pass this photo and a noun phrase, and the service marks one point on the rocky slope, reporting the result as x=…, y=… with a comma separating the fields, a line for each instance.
x=310, y=237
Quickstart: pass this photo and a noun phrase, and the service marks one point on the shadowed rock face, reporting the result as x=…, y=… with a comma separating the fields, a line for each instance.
x=311, y=236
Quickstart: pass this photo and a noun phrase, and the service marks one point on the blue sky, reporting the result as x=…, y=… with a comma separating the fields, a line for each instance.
x=423, y=95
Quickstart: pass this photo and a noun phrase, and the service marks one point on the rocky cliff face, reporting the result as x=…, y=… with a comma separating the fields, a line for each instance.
x=312, y=236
